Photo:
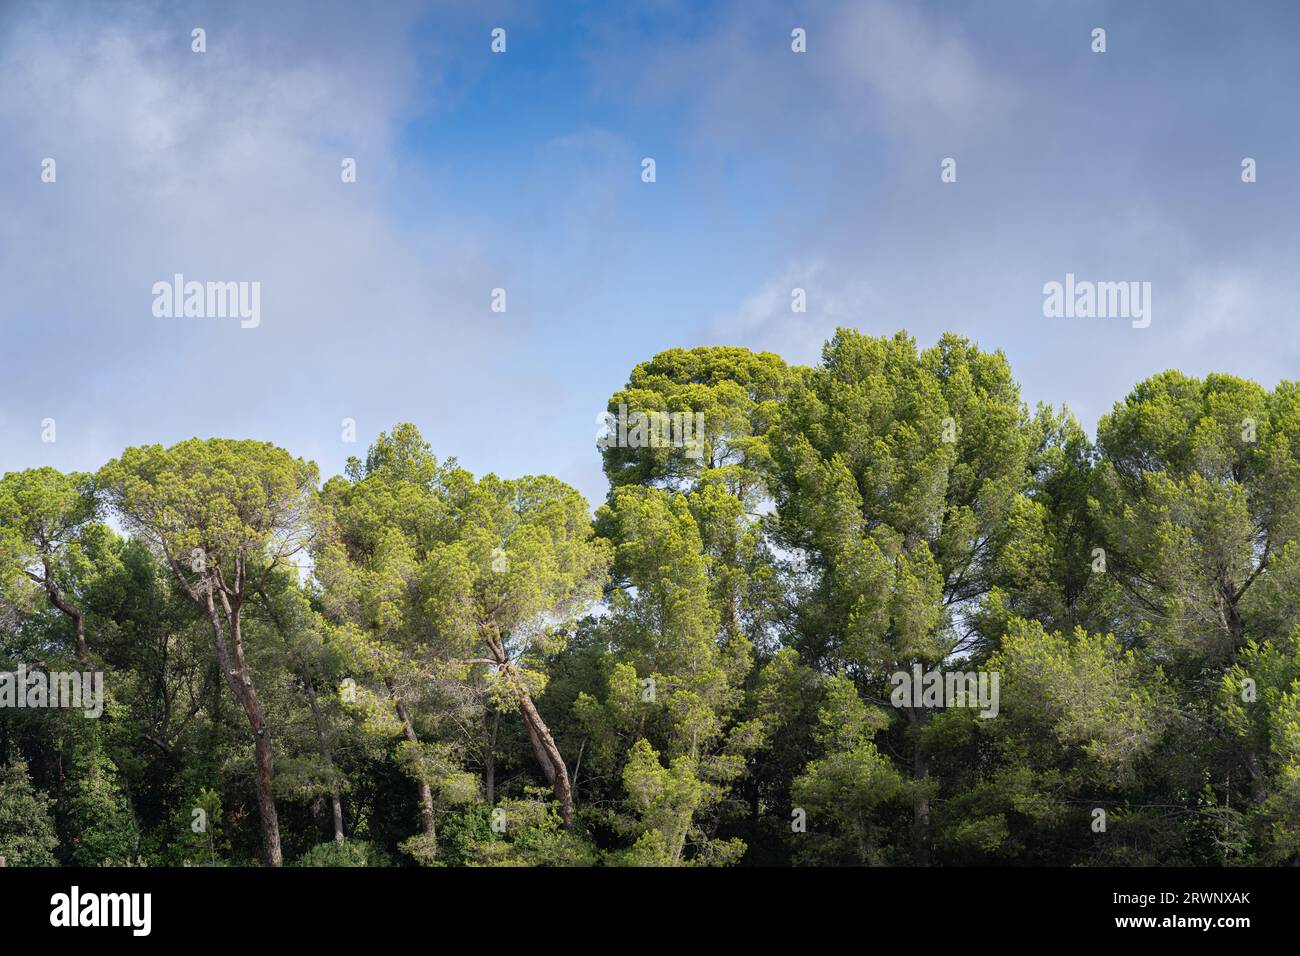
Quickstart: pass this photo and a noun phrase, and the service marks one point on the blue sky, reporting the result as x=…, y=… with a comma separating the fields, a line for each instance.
x=522, y=171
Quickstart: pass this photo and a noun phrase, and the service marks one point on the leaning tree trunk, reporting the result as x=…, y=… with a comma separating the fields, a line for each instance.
x=427, y=822
x=548, y=754
x=539, y=735
x=553, y=761
x=74, y=613
x=240, y=679
x=327, y=758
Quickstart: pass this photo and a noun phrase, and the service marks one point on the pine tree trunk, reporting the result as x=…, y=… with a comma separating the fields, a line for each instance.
x=539, y=735
x=552, y=761
x=78, y=619
x=921, y=802
x=490, y=760
x=240, y=680
x=327, y=758
x=427, y=822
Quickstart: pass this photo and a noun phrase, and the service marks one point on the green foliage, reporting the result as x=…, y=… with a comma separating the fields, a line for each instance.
x=733, y=390
x=215, y=499
x=677, y=675
x=526, y=832
x=345, y=853
x=462, y=832
x=1086, y=690
x=199, y=831
x=454, y=670
x=98, y=816
x=841, y=789
x=27, y=836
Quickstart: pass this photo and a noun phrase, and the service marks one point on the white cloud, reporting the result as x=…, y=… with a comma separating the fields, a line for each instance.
x=765, y=320
x=224, y=166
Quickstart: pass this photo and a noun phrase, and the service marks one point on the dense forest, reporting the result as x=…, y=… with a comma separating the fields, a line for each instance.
x=408, y=665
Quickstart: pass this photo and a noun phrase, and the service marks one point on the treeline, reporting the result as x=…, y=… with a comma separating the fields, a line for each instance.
x=410, y=665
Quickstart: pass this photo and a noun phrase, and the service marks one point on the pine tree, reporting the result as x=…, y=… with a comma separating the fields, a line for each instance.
x=27, y=836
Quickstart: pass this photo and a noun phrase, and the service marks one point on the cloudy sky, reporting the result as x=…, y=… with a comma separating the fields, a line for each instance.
x=522, y=171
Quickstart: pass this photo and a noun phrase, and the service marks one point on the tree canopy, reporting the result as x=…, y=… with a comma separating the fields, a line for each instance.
x=873, y=611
